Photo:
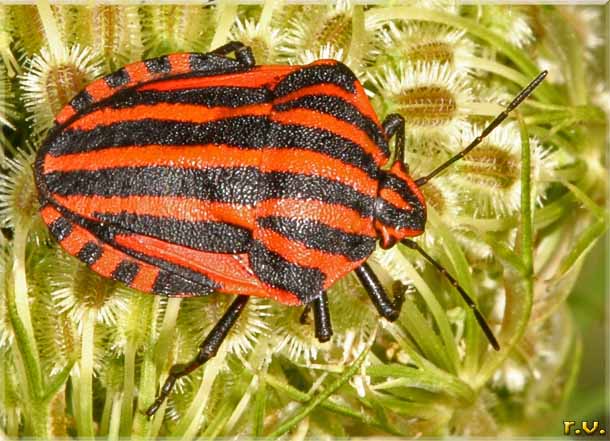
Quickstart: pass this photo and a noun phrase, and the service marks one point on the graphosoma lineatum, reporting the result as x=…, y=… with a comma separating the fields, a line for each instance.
x=194, y=173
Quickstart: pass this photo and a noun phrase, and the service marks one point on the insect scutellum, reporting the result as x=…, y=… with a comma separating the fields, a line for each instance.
x=397, y=188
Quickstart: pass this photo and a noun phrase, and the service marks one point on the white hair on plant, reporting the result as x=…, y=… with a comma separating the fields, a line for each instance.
x=427, y=95
x=49, y=83
x=428, y=42
x=264, y=41
x=18, y=196
x=251, y=325
x=76, y=290
x=489, y=177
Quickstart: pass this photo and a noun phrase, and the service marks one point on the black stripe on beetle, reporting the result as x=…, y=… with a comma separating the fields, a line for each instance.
x=337, y=74
x=90, y=253
x=251, y=132
x=126, y=271
x=273, y=269
x=82, y=101
x=239, y=185
x=391, y=182
x=169, y=283
x=388, y=214
x=213, y=64
x=340, y=109
x=117, y=79
x=208, y=97
x=159, y=65
x=217, y=237
x=60, y=228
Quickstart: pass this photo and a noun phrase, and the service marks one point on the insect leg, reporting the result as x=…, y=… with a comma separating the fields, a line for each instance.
x=477, y=314
x=243, y=53
x=304, y=319
x=207, y=350
x=321, y=317
x=387, y=308
x=394, y=124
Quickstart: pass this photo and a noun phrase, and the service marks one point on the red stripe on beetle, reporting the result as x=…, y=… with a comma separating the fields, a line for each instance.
x=167, y=112
x=311, y=118
x=395, y=199
x=180, y=63
x=210, y=156
x=301, y=255
x=138, y=73
x=65, y=114
x=49, y=214
x=99, y=90
x=216, y=266
x=256, y=77
x=333, y=215
x=180, y=208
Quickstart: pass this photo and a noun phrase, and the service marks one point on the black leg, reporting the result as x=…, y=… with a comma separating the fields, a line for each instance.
x=207, y=350
x=321, y=317
x=304, y=319
x=387, y=308
x=243, y=53
x=394, y=124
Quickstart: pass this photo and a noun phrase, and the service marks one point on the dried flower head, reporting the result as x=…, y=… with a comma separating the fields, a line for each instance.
x=513, y=22
x=489, y=177
x=199, y=315
x=76, y=290
x=263, y=41
x=337, y=30
x=427, y=95
x=55, y=331
x=427, y=43
x=7, y=108
x=18, y=195
x=110, y=30
x=49, y=83
x=26, y=27
x=322, y=25
x=176, y=28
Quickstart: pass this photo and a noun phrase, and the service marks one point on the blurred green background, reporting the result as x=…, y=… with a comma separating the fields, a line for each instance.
x=589, y=305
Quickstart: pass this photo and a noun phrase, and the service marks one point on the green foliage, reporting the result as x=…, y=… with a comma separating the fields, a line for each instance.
x=83, y=356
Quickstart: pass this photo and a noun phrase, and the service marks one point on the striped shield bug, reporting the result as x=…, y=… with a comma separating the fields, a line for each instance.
x=194, y=173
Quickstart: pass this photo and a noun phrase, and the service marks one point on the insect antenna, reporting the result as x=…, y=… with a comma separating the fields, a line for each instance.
x=477, y=314
x=495, y=123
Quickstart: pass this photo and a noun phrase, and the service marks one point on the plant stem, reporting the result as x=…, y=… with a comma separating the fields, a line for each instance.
x=227, y=10
x=194, y=416
x=128, y=384
x=517, y=311
x=85, y=387
x=115, y=417
x=19, y=313
x=52, y=34
x=306, y=410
